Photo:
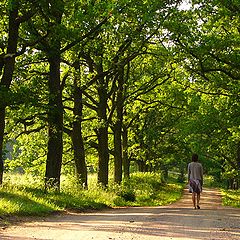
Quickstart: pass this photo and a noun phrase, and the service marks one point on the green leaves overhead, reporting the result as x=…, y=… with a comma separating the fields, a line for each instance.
x=168, y=75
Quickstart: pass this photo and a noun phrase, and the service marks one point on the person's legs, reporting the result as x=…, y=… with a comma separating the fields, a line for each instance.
x=194, y=199
x=198, y=200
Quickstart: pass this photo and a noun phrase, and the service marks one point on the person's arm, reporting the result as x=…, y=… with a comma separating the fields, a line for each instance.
x=201, y=172
x=189, y=172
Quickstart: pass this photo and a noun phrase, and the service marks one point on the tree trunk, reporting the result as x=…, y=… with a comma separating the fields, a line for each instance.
x=117, y=152
x=103, y=156
x=55, y=105
x=142, y=167
x=2, y=127
x=9, y=64
x=238, y=165
x=126, y=162
x=238, y=156
x=118, y=157
x=77, y=138
x=55, y=126
x=102, y=134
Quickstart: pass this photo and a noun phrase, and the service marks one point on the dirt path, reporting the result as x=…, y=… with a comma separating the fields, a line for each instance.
x=177, y=221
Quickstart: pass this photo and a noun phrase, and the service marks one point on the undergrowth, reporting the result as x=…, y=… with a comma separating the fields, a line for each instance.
x=231, y=198
x=23, y=195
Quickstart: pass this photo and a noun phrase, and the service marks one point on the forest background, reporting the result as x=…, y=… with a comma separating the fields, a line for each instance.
x=117, y=87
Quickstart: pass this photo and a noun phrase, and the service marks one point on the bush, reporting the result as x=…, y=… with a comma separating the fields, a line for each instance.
x=128, y=196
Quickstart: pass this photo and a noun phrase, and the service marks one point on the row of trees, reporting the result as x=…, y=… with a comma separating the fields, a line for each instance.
x=122, y=81
x=213, y=53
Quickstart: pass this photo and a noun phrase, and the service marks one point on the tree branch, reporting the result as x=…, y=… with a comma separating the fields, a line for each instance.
x=95, y=29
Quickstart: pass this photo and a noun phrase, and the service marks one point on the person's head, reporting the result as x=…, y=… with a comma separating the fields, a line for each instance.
x=194, y=157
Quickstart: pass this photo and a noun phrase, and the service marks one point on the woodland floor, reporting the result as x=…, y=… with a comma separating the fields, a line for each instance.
x=176, y=221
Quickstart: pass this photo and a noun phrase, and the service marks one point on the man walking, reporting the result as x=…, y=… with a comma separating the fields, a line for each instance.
x=195, y=180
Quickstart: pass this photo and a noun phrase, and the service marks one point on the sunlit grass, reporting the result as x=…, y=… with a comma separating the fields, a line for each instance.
x=149, y=189
x=23, y=195
x=20, y=203
x=231, y=198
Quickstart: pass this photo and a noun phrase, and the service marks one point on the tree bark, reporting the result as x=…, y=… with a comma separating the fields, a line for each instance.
x=2, y=127
x=55, y=105
x=238, y=156
x=9, y=64
x=117, y=152
x=77, y=138
x=102, y=134
x=238, y=165
x=126, y=161
x=55, y=126
x=118, y=155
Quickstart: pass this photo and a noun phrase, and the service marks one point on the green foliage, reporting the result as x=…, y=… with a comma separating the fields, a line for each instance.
x=231, y=198
x=210, y=181
x=28, y=155
x=181, y=86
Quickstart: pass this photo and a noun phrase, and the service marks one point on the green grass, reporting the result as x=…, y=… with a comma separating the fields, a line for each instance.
x=231, y=198
x=150, y=190
x=23, y=195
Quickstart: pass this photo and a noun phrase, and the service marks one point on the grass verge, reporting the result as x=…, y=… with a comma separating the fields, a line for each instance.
x=23, y=195
x=231, y=198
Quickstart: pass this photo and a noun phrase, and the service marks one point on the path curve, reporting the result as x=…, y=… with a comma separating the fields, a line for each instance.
x=177, y=221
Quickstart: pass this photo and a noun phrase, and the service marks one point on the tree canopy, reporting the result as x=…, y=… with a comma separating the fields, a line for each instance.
x=113, y=86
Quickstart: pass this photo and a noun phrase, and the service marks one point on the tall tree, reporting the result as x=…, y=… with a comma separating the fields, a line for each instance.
x=77, y=136
x=55, y=111
x=46, y=29
x=7, y=60
x=118, y=127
